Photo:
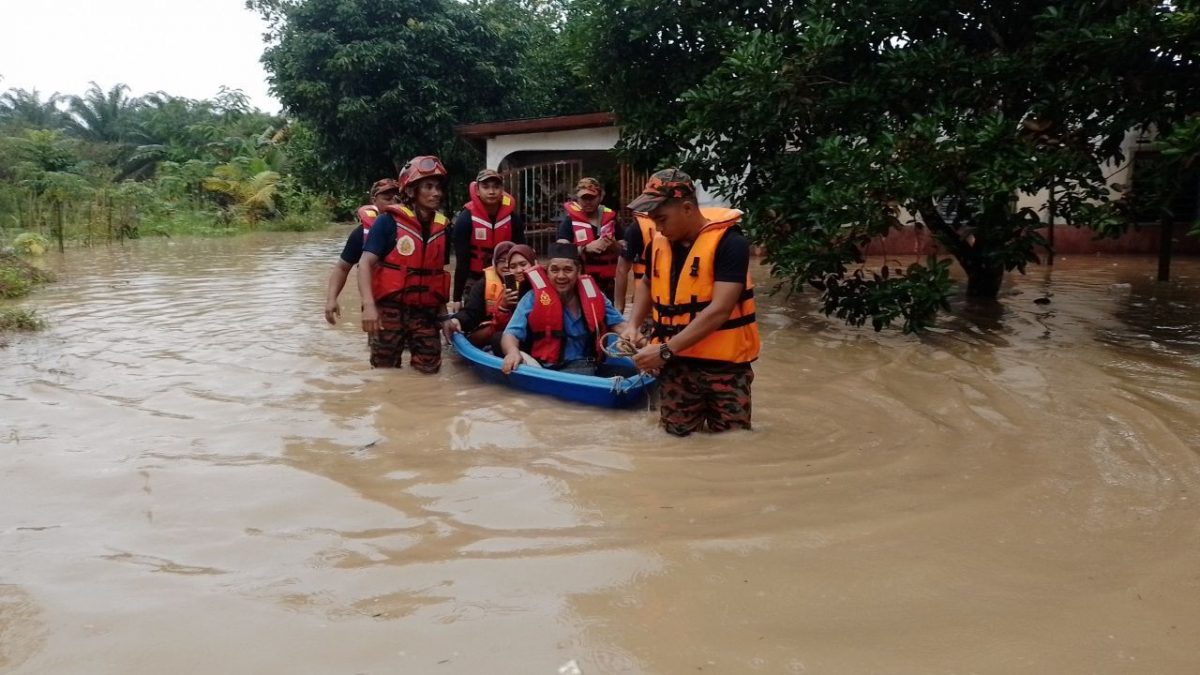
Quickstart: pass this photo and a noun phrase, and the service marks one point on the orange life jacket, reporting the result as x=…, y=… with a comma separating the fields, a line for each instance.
x=649, y=231
x=736, y=340
x=414, y=272
x=366, y=217
x=547, y=336
x=485, y=233
x=604, y=265
x=493, y=293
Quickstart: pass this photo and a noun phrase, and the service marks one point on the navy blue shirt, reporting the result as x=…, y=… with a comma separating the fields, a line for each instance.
x=382, y=238
x=352, y=251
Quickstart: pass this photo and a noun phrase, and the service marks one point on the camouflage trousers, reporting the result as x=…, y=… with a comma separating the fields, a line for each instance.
x=704, y=397
x=405, y=327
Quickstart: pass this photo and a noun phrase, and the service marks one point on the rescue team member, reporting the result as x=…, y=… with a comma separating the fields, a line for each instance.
x=486, y=220
x=592, y=227
x=488, y=307
x=635, y=251
x=560, y=321
x=383, y=193
x=699, y=294
x=402, y=275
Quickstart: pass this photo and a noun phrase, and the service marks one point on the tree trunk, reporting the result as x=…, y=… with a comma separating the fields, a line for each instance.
x=983, y=283
x=1164, y=247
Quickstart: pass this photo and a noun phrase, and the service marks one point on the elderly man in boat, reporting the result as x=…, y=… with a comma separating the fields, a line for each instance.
x=561, y=321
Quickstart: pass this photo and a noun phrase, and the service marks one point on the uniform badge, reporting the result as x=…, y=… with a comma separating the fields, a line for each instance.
x=544, y=298
x=406, y=245
x=481, y=233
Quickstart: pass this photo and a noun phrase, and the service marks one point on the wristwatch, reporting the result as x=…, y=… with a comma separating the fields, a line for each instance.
x=665, y=353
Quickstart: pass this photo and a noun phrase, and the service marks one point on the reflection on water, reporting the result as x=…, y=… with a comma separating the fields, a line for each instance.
x=200, y=476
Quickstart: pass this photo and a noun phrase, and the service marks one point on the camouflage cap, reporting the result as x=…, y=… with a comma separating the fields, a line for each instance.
x=663, y=185
x=384, y=185
x=488, y=174
x=588, y=186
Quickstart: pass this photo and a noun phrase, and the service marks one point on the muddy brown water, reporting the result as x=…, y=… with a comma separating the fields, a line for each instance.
x=197, y=475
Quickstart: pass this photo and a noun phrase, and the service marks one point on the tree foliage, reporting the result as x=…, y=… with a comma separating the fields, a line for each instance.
x=375, y=82
x=832, y=123
x=109, y=165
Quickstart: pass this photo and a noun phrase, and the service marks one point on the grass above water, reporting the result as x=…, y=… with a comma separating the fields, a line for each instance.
x=17, y=277
x=20, y=318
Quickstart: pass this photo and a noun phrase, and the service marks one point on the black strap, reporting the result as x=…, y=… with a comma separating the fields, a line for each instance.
x=661, y=331
x=694, y=307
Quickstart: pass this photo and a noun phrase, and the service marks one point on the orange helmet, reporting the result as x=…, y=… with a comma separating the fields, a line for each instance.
x=422, y=166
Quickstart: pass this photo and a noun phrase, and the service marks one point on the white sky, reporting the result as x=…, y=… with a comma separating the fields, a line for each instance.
x=183, y=47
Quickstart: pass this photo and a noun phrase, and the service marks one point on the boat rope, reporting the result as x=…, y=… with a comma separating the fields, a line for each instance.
x=619, y=347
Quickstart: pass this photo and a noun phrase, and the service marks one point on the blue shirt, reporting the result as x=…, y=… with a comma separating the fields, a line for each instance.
x=577, y=343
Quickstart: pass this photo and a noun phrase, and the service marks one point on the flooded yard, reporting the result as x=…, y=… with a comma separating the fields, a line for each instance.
x=198, y=475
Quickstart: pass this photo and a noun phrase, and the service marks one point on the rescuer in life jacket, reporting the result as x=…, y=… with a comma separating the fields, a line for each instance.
x=402, y=275
x=635, y=251
x=486, y=220
x=592, y=227
x=560, y=321
x=488, y=307
x=384, y=192
x=698, y=291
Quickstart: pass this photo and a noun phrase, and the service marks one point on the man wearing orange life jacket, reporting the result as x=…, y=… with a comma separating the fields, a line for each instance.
x=635, y=251
x=402, y=275
x=488, y=219
x=562, y=318
x=384, y=192
x=700, y=296
x=592, y=227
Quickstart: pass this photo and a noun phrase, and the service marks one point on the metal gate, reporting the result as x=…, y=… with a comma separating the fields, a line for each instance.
x=540, y=190
x=631, y=183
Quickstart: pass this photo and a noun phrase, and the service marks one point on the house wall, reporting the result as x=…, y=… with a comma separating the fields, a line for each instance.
x=601, y=138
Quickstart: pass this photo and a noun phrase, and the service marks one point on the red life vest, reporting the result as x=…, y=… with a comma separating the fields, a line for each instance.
x=366, y=217
x=604, y=265
x=414, y=272
x=547, y=336
x=485, y=233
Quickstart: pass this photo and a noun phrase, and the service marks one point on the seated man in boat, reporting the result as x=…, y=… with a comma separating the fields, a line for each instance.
x=488, y=306
x=559, y=323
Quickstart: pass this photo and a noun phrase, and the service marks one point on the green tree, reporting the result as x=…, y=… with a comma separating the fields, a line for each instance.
x=27, y=109
x=379, y=81
x=103, y=116
x=832, y=123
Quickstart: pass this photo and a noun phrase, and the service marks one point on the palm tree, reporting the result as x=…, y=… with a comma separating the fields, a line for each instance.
x=103, y=117
x=27, y=108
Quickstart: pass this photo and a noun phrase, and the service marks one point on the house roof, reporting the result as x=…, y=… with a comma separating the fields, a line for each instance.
x=531, y=125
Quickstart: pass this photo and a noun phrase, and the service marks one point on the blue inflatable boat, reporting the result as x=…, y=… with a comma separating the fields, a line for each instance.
x=625, y=387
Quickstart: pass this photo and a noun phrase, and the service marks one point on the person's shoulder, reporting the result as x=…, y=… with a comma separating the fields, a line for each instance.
x=463, y=216
x=734, y=240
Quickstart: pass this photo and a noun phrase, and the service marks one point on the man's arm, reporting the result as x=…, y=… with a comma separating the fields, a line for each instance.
x=370, y=316
x=510, y=342
x=379, y=242
x=631, y=248
x=461, y=232
x=337, y=281
x=566, y=231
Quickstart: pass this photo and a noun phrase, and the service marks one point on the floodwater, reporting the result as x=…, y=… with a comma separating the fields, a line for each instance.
x=198, y=475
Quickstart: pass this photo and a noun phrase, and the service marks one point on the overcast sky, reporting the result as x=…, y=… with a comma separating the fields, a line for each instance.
x=183, y=47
